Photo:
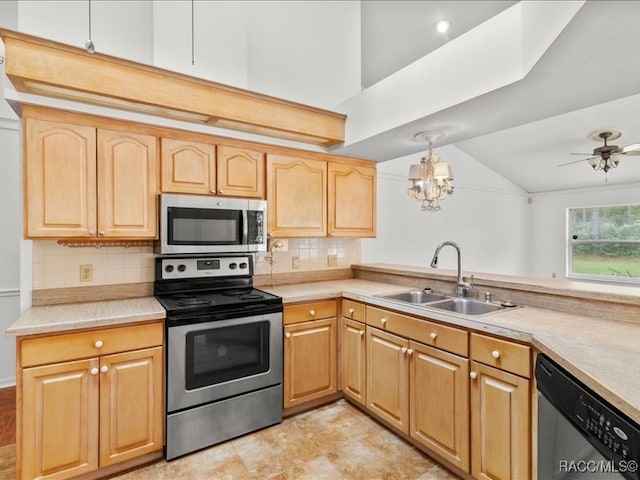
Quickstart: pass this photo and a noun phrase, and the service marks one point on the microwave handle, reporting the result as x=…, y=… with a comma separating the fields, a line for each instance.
x=245, y=227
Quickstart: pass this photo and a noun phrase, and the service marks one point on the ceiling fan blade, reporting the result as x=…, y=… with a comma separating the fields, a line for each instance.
x=631, y=148
x=583, y=154
x=576, y=161
x=631, y=153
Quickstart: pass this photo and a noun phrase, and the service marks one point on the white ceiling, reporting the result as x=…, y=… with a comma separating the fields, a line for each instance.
x=588, y=79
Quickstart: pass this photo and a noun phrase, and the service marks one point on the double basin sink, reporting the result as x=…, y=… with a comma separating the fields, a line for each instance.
x=462, y=305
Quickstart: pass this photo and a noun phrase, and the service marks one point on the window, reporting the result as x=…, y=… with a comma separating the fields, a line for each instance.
x=604, y=243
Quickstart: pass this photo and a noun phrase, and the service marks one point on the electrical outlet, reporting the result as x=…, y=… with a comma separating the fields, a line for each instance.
x=86, y=272
x=278, y=245
x=295, y=263
x=332, y=260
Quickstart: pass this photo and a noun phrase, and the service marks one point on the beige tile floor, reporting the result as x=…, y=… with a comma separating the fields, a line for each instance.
x=334, y=442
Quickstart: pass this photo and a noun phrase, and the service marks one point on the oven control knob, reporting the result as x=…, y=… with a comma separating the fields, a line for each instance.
x=243, y=265
x=233, y=266
x=182, y=268
x=168, y=268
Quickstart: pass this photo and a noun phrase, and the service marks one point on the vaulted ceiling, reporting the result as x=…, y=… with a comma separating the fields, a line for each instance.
x=588, y=79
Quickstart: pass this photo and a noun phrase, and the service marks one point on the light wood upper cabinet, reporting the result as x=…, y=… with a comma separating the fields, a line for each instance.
x=202, y=168
x=352, y=200
x=127, y=185
x=87, y=182
x=241, y=172
x=296, y=196
x=60, y=179
x=188, y=167
x=439, y=402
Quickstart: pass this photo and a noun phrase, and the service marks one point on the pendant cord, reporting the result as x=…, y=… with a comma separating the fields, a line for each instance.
x=193, y=61
x=89, y=19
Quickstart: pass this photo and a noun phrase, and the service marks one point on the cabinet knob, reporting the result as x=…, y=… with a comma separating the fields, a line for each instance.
x=221, y=192
x=213, y=190
x=495, y=354
x=410, y=352
x=383, y=320
x=473, y=375
x=288, y=335
x=312, y=312
x=433, y=335
x=92, y=233
x=362, y=333
x=104, y=369
x=351, y=310
x=101, y=233
x=403, y=350
x=98, y=344
x=94, y=371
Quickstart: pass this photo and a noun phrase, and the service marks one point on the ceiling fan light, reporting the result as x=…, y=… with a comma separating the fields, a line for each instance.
x=595, y=163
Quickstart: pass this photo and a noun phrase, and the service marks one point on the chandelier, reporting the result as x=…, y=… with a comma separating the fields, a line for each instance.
x=430, y=180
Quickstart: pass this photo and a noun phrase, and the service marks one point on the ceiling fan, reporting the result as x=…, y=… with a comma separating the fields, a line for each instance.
x=607, y=156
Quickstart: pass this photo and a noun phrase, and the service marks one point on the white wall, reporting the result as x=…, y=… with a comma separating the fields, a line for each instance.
x=549, y=226
x=487, y=216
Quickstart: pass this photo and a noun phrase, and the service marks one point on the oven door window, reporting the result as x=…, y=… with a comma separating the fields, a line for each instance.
x=220, y=355
x=204, y=226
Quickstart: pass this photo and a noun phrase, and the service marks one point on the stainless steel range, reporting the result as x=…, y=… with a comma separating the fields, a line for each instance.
x=224, y=350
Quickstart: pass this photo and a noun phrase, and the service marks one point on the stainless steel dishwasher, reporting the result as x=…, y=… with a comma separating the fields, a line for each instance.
x=581, y=435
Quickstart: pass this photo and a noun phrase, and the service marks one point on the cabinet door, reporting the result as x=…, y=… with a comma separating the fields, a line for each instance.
x=128, y=185
x=131, y=405
x=352, y=200
x=354, y=366
x=439, y=402
x=388, y=377
x=500, y=424
x=60, y=179
x=297, y=197
x=188, y=167
x=310, y=353
x=59, y=420
x=241, y=172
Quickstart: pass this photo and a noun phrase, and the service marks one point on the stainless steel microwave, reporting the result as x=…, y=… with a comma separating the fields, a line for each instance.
x=201, y=224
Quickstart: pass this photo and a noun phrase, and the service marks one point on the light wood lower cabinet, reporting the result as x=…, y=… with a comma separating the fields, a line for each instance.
x=83, y=414
x=354, y=367
x=310, y=361
x=388, y=377
x=500, y=428
x=439, y=402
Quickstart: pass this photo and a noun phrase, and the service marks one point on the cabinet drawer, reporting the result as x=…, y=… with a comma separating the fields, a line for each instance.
x=303, y=312
x=71, y=346
x=502, y=354
x=434, y=334
x=353, y=310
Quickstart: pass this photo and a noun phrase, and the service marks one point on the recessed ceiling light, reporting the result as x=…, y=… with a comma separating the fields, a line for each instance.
x=443, y=26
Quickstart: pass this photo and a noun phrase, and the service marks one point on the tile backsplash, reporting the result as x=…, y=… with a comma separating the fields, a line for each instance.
x=56, y=266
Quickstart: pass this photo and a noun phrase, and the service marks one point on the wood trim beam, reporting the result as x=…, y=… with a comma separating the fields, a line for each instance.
x=43, y=67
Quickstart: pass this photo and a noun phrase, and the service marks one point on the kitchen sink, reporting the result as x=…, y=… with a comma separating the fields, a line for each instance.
x=415, y=297
x=467, y=306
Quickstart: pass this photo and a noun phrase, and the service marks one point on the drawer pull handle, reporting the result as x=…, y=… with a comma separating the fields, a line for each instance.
x=362, y=333
x=312, y=312
x=495, y=354
x=433, y=335
x=351, y=310
x=383, y=320
x=403, y=350
x=94, y=371
x=98, y=344
x=288, y=335
x=473, y=375
x=104, y=369
x=410, y=352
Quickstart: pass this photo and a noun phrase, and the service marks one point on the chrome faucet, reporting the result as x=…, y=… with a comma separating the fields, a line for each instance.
x=461, y=287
